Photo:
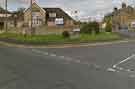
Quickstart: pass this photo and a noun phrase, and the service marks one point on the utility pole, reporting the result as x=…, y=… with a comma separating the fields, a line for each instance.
x=6, y=11
x=31, y=1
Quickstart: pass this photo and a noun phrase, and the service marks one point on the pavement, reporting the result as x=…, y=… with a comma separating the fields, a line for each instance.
x=109, y=66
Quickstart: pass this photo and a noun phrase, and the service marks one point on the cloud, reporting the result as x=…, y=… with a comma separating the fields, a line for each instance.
x=84, y=7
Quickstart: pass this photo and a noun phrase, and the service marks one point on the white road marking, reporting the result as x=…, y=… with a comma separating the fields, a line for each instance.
x=97, y=66
x=85, y=63
x=37, y=51
x=131, y=76
x=40, y=52
x=117, y=67
x=68, y=59
x=127, y=59
x=120, y=68
x=65, y=58
x=53, y=55
x=128, y=70
x=111, y=70
x=77, y=61
x=62, y=57
x=46, y=53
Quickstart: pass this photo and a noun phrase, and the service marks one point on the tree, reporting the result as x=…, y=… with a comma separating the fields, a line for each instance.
x=66, y=34
x=90, y=27
x=18, y=15
x=20, y=11
x=108, y=21
x=108, y=27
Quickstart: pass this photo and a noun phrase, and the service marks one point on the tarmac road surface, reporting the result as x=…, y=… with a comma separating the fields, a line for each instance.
x=68, y=68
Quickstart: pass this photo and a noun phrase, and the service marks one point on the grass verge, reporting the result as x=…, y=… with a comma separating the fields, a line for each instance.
x=59, y=39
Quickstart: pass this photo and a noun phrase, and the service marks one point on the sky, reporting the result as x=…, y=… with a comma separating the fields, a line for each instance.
x=85, y=8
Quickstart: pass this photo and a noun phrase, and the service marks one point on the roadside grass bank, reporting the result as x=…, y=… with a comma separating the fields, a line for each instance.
x=58, y=39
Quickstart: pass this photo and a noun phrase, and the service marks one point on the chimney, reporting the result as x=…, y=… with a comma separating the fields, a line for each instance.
x=115, y=9
x=124, y=5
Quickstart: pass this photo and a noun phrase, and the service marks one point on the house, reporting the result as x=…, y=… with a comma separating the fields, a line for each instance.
x=123, y=18
x=3, y=18
x=51, y=17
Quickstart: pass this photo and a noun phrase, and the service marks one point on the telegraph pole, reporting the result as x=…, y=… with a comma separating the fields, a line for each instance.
x=6, y=11
x=31, y=1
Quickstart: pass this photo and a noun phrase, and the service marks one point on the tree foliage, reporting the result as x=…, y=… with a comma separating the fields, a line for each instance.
x=108, y=27
x=108, y=21
x=66, y=34
x=90, y=27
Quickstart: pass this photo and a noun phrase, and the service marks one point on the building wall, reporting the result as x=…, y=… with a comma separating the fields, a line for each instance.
x=41, y=13
x=44, y=14
x=123, y=18
x=51, y=24
x=69, y=23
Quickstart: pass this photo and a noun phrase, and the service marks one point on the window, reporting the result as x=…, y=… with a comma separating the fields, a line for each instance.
x=59, y=21
x=53, y=15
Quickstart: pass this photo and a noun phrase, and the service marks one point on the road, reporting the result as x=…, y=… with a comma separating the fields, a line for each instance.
x=66, y=68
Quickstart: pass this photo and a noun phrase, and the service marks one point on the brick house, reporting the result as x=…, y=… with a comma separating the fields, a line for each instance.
x=51, y=17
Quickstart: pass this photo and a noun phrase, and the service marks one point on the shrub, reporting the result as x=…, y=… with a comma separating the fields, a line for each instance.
x=90, y=27
x=95, y=28
x=85, y=28
x=108, y=27
x=66, y=34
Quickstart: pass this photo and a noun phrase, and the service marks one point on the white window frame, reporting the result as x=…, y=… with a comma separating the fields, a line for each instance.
x=52, y=14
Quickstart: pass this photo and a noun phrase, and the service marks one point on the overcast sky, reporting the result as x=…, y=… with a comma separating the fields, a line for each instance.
x=85, y=8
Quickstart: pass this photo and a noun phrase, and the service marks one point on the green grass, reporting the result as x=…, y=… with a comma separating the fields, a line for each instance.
x=59, y=39
x=99, y=37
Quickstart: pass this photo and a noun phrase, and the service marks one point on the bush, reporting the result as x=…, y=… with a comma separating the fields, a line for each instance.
x=66, y=34
x=108, y=27
x=85, y=28
x=96, y=28
x=90, y=28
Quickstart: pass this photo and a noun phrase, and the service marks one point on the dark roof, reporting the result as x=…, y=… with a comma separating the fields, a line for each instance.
x=59, y=12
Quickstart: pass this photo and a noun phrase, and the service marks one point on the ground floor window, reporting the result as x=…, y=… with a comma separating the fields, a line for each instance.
x=36, y=18
x=37, y=21
x=1, y=25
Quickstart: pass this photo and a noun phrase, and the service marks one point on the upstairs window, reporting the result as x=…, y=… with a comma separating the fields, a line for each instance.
x=52, y=15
